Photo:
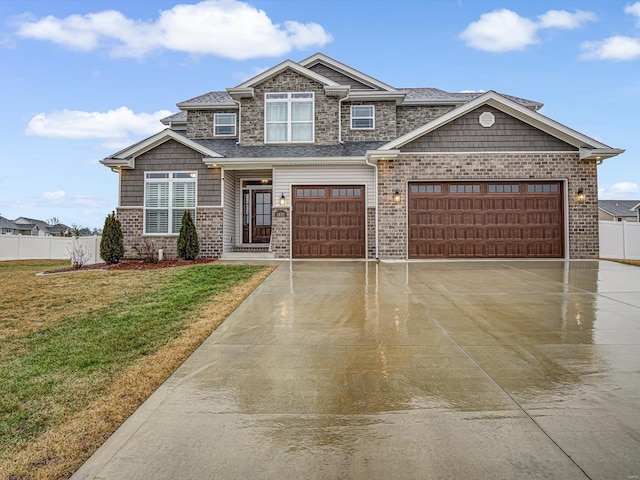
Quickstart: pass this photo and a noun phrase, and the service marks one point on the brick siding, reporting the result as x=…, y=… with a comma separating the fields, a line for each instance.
x=582, y=224
x=208, y=224
x=280, y=232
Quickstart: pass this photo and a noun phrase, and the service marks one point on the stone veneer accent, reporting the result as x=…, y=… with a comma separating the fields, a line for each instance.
x=408, y=118
x=326, y=108
x=208, y=224
x=281, y=232
x=385, y=123
x=200, y=124
x=582, y=224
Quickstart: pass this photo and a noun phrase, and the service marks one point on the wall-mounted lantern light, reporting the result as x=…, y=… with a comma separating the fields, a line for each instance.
x=396, y=196
x=282, y=200
x=580, y=195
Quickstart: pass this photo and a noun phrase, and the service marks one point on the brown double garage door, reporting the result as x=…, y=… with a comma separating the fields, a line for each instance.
x=486, y=220
x=445, y=220
x=328, y=221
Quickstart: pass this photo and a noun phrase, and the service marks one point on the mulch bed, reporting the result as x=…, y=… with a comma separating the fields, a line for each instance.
x=135, y=265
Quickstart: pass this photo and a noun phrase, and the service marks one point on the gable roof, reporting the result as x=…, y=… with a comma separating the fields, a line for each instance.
x=422, y=95
x=590, y=148
x=126, y=158
x=210, y=99
x=619, y=208
x=281, y=67
x=345, y=70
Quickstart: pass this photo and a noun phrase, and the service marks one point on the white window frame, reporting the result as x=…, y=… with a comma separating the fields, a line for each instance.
x=372, y=117
x=216, y=116
x=290, y=98
x=170, y=179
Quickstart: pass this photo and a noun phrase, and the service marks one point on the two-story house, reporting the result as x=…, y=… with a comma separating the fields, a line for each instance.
x=318, y=160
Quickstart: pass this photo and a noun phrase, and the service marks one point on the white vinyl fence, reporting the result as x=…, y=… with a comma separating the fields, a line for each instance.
x=26, y=247
x=620, y=240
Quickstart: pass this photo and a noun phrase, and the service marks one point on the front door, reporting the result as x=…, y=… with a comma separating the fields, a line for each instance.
x=257, y=216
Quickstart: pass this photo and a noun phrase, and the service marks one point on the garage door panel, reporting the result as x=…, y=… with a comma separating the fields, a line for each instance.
x=331, y=225
x=486, y=220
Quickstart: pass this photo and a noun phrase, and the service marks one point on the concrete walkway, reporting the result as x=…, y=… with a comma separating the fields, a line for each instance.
x=354, y=370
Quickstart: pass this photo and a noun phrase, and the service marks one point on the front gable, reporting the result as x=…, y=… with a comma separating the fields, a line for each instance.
x=252, y=123
x=589, y=148
x=501, y=133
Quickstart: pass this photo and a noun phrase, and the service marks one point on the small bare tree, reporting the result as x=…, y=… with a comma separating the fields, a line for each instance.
x=147, y=251
x=78, y=254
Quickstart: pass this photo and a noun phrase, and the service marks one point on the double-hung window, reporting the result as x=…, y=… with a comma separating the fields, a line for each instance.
x=288, y=117
x=224, y=124
x=166, y=197
x=363, y=117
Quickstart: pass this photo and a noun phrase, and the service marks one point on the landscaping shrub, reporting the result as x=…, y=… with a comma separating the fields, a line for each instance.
x=112, y=243
x=188, y=245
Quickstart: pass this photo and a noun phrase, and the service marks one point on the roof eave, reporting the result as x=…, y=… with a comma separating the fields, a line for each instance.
x=599, y=154
x=205, y=106
x=251, y=163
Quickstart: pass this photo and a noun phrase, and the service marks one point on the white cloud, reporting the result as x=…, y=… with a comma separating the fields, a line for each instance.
x=612, y=48
x=225, y=28
x=243, y=76
x=616, y=47
x=54, y=196
x=472, y=91
x=564, y=19
x=114, y=126
x=634, y=9
x=504, y=30
x=619, y=191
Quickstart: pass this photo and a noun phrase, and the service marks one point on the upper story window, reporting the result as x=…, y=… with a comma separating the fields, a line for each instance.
x=224, y=124
x=363, y=117
x=288, y=117
x=166, y=196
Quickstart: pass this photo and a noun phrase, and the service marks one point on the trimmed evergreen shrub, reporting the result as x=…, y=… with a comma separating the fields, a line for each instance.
x=112, y=244
x=188, y=245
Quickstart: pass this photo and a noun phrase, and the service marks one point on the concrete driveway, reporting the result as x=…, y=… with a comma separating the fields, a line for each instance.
x=353, y=370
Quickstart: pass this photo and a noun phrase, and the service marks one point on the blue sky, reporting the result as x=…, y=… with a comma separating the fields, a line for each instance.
x=81, y=79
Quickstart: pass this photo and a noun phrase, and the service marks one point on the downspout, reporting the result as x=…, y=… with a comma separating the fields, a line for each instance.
x=237, y=102
x=340, y=119
x=375, y=177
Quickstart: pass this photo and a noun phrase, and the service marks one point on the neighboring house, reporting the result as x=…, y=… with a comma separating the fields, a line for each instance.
x=32, y=226
x=618, y=210
x=318, y=160
x=9, y=227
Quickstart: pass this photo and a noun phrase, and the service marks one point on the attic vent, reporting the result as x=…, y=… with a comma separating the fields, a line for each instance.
x=487, y=119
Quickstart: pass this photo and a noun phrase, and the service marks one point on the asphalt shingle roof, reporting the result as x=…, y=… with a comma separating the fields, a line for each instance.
x=211, y=97
x=230, y=149
x=618, y=208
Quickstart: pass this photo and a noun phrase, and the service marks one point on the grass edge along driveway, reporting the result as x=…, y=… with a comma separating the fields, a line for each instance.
x=66, y=387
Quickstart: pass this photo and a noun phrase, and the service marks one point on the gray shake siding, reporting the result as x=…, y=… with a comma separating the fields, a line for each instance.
x=339, y=78
x=170, y=156
x=508, y=134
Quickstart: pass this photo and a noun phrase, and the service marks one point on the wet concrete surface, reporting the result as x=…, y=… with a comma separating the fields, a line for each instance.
x=354, y=370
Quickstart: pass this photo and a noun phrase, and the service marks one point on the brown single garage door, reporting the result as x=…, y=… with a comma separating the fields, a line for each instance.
x=328, y=221
x=486, y=220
